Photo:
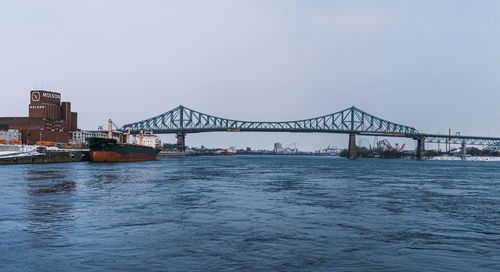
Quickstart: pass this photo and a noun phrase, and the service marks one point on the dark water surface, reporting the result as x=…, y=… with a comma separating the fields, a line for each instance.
x=251, y=213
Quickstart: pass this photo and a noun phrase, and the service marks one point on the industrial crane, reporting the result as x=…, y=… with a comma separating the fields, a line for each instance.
x=388, y=146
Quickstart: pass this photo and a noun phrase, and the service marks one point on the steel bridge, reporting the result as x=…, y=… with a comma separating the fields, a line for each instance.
x=352, y=121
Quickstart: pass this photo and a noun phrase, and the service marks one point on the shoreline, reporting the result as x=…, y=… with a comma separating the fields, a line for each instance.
x=47, y=157
x=79, y=155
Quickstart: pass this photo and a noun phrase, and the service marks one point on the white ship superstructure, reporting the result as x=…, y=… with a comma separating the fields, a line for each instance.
x=148, y=139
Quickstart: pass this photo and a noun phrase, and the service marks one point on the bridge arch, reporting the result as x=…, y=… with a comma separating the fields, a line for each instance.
x=351, y=120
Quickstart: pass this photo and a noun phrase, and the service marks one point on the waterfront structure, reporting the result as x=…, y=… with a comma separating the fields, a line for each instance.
x=10, y=135
x=49, y=119
x=278, y=148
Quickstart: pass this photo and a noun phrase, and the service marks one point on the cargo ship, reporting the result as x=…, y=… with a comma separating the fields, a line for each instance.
x=109, y=150
x=118, y=149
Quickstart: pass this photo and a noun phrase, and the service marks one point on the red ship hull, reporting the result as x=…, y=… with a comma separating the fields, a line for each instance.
x=111, y=156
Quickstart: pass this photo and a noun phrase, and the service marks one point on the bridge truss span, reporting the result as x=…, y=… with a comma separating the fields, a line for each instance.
x=348, y=121
x=467, y=140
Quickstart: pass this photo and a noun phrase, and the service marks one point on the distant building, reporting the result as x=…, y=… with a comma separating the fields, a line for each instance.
x=80, y=136
x=48, y=120
x=278, y=148
x=169, y=147
x=10, y=135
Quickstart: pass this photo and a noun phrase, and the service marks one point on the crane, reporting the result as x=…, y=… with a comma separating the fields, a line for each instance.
x=384, y=143
x=294, y=149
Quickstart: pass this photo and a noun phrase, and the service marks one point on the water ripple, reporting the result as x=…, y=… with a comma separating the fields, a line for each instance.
x=251, y=213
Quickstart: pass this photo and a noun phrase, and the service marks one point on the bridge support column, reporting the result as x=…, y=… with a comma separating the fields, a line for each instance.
x=181, y=142
x=464, y=149
x=420, y=148
x=352, y=147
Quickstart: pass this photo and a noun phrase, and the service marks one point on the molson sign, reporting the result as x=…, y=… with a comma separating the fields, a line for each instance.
x=37, y=96
x=51, y=95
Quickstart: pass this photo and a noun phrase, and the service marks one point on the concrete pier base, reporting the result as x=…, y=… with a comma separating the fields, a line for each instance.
x=352, y=147
x=181, y=142
x=48, y=157
x=420, y=148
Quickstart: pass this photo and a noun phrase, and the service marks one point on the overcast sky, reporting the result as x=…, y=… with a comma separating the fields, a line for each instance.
x=430, y=64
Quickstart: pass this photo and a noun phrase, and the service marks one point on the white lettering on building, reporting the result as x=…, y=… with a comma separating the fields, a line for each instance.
x=37, y=106
x=51, y=95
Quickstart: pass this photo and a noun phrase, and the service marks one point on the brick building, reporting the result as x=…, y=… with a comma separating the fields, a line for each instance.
x=48, y=120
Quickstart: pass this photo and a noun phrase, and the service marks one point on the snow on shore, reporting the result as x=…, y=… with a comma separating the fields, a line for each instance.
x=30, y=150
x=23, y=150
x=466, y=158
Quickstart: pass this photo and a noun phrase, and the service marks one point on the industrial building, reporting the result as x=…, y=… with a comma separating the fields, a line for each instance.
x=80, y=136
x=278, y=148
x=48, y=119
x=10, y=135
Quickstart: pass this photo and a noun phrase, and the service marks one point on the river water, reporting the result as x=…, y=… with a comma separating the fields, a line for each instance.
x=251, y=213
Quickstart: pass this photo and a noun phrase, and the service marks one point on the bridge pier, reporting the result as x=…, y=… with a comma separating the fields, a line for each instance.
x=352, y=147
x=181, y=142
x=420, y=148
x=464, y=149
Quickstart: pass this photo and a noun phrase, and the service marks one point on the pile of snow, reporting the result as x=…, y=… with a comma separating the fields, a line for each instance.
x=30, y=150
x=7, y=153
x=24, y=150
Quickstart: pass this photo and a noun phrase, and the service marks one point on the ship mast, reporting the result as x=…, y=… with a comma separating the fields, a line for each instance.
x=122, y=137
x=128, y=135
x=140, y=137
x=110, y=129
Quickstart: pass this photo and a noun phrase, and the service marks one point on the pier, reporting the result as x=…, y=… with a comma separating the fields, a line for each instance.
x=48, y=157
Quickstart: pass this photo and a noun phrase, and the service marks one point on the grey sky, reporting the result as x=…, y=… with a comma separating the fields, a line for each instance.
x=429, y=64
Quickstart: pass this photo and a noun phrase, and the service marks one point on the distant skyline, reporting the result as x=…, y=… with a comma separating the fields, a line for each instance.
x=432, y=65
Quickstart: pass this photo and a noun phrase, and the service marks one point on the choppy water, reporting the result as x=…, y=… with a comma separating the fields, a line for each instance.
x=251, y=213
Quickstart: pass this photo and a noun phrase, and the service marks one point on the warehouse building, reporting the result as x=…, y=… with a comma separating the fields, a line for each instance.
x=10, y=135
x=48, y=119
